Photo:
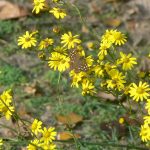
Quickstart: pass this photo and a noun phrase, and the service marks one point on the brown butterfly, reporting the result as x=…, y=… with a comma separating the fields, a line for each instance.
x=77, y=62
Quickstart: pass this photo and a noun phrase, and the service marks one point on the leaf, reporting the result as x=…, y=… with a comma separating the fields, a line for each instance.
x=10, y=11
x=70, y=119
x=67, y=136
x=112, y=22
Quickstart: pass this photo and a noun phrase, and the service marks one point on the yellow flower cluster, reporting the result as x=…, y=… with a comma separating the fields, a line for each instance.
x=84, y=69
x=6, y=107
x=40, y=5
x=44, y=137
x=27, y=40
x=108, y=39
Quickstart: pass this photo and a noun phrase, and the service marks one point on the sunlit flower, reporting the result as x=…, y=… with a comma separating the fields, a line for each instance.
x=139, y=92
x=99, y=72
x=120, y=38
x=34, y=145
x=27, y=40
x=59, y=61
x=121, y=120
x=127, y=61
x=117, y=80
x=49, y=146
x=69, y=40
x=36, y=126
x=38, y=5
x=76, y=78
x=58, y=12
x=6, y=107
x=146, y=120
x=145, y=133
x=88, y=87
x=45, y=43
x=48, y=135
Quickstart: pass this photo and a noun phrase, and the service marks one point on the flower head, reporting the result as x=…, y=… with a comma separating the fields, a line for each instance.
x=38, y=5
x=58, y=12
x=117, y=80
x=36, y=126
x=45, y=43
x=88, y=87
x=76, y=78
x=27, y=40
x=34, y=145
x=59, y=61
x=48, y=135
x=145, y=133
x=120, y=38
x=139, y=92
x=6, y=107
x=127, y=61
x=69, y=40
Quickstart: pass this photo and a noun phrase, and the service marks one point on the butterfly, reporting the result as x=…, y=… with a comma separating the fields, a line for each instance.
x=77, y=62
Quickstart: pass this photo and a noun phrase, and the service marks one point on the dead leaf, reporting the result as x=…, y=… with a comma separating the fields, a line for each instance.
x=106, y=96
x=33, y=89
x=112, y=22
x=70, y=119
x=85, y=29
x=10, y=11
x=67, y=136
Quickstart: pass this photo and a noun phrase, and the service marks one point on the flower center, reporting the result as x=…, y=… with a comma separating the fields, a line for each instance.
x=27, y=39
x=140, y=90
x=126, y=60
x=47, y=134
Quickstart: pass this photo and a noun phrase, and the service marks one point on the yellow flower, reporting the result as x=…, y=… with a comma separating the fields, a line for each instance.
x=69, y=40
x=114, y=37
x=76, y=78
x=59, y=61
x=88, y=87
x=145, y=133
x=27, y=40
x=103, y=50
x=36, y=126
x=89, y=60
x=50, y=146
x=58, y=13
x=146, y=119
x=127, y=61
x=45, y=43
x=121, y=120
x=6, y=107
x=147, y=106
x=139, y=92
x=99, y=72
x=34, y=145
x=108, y=37
x=117, y=80
x=48, y=135
x=38, y=5
x=141, y=74
x=120, y=38
x=61, y=50
x=1, y=143
x=108, y=67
